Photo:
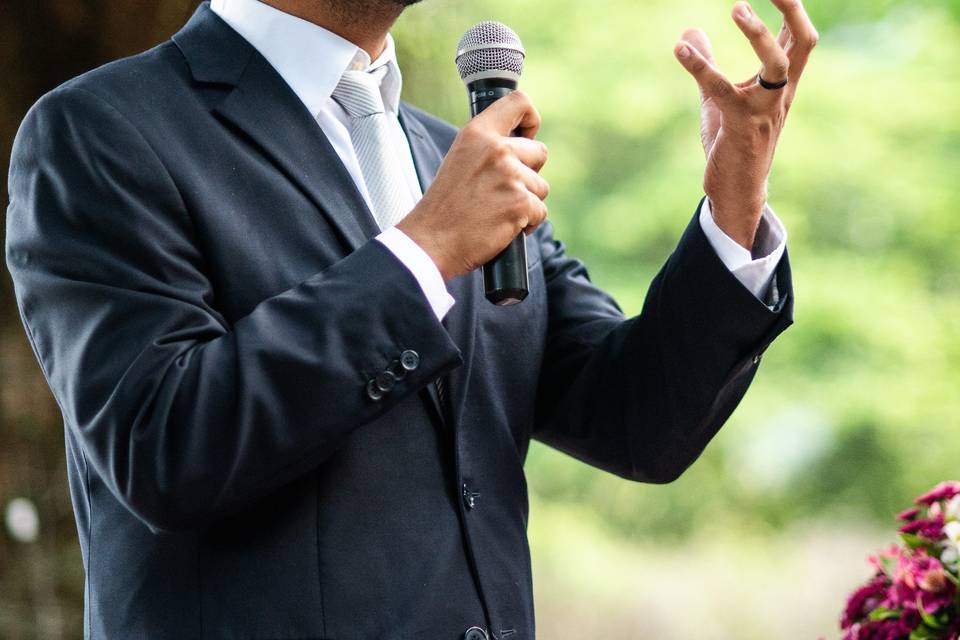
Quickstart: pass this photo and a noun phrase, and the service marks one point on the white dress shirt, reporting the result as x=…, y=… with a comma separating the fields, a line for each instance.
x=311, y=60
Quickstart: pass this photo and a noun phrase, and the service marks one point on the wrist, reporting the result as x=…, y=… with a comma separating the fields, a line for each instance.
x=427, y=240
x=738, y=217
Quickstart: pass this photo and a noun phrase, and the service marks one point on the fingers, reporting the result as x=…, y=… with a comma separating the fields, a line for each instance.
x=535, y=183
x=783, y=38
x=713, y=84
x=538, y=214
x=698, y=38
x=775, y=62
x=532, y=153
x=537, y=191
x=802, y=34
x=511, y=114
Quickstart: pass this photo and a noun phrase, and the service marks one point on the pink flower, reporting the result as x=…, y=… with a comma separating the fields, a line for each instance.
x=894, y=629
x=911, y=582
x=909, y=514
x=943, y=491
x=933, y=580
x=864, y=600
x=930, y=528
x=920, y=581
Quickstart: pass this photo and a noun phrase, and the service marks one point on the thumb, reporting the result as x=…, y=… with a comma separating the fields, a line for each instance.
x=512, y=114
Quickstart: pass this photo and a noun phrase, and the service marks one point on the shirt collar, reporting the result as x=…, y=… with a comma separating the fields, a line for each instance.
x=308, y=57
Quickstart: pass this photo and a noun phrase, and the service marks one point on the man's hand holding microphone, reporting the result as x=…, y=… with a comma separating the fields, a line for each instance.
x=487, y=191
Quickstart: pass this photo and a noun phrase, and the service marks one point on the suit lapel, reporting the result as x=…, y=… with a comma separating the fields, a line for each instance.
x=260, y=106
x=461, y=321
x=250, y=96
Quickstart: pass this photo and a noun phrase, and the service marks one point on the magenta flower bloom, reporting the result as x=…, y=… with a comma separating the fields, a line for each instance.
x=920, y=580
x=943, y=491
x=878, y=630
x=864, y=600
x=909, y=514
x=930, y=528
x=913, y=594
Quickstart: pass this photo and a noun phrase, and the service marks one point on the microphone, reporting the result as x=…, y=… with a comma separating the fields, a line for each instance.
x=490, y=61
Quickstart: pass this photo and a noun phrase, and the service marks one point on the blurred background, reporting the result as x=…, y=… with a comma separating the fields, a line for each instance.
x=856, y=408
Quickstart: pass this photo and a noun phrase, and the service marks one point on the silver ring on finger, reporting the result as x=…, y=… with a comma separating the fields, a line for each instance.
x=771, y=86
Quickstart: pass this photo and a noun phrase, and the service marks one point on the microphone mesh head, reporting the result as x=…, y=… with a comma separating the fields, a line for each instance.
x=489, y=50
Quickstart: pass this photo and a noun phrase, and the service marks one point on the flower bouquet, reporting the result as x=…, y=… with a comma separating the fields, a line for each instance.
x=913, y=594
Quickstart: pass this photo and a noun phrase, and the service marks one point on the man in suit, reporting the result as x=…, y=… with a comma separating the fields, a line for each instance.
x=248, y=272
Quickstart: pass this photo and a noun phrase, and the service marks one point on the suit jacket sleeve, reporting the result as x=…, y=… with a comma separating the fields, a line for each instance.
x=642, y=397
x=185, y=416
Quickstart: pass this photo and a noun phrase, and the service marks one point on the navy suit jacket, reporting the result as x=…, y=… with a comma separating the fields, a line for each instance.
x=196, y=273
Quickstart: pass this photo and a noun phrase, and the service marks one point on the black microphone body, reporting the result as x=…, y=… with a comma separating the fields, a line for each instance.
x=505, y=276
x=490, y=61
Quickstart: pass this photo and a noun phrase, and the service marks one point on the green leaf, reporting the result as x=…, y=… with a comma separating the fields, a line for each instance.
x=912, y=540
x=928, y=619
x=924, y=633
x=882, y=613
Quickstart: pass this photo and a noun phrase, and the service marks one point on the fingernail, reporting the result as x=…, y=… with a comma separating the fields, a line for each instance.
x=745, y=12
x=683, y=51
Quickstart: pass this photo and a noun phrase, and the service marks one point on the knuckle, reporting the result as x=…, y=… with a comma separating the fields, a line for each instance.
x=520, y=193
x=698, y=65
x=522, y=97
x=474, y=133
x=719, y=88
x=500, y=152
x=467, y=132
x=474, y=127
x=516, y=171
x=757, y=30
x=780, y=68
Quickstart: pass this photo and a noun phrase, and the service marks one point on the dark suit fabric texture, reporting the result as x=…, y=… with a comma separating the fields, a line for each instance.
x=198, y=278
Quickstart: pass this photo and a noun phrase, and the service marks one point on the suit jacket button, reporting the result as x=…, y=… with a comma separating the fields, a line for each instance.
x=385, y=381
x=410, y=360
x=373, y=391
x=475, y=633
x=470, y=497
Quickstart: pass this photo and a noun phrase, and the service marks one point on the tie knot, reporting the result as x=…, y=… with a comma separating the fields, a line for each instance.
x=359, y=92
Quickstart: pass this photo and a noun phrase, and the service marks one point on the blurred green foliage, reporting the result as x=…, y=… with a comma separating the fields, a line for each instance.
x=856, y=408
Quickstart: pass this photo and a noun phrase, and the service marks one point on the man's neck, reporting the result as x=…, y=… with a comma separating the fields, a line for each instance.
x=365, y=23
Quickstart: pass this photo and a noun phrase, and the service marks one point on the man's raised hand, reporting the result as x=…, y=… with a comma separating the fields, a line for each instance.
x=741, y=122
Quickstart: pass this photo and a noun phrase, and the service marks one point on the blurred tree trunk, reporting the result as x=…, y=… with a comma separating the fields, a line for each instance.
x=44, y=43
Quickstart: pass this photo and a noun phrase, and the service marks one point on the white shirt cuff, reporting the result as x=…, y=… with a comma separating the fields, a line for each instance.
x=755, y=273
x=421, y=265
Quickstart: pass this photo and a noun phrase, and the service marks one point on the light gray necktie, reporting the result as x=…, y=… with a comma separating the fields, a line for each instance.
x=359, y=95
